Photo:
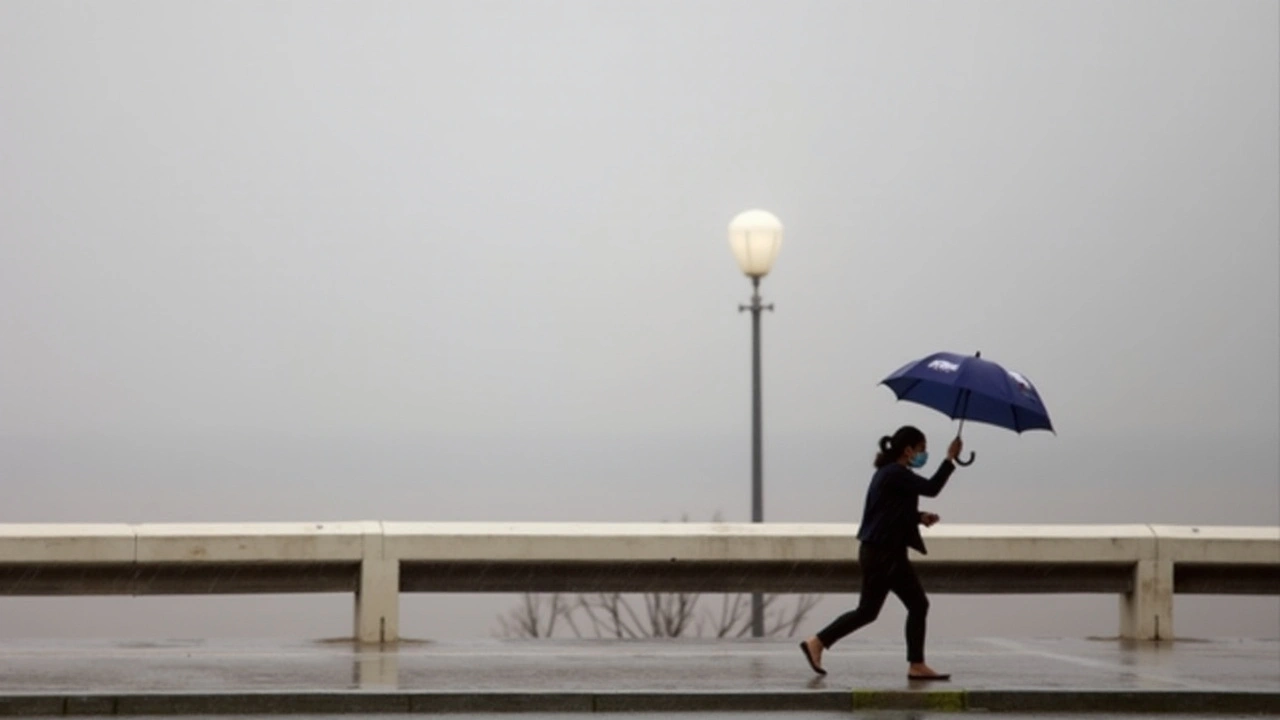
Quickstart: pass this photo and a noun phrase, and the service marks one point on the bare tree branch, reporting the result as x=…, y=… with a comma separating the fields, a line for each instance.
x=613, y=615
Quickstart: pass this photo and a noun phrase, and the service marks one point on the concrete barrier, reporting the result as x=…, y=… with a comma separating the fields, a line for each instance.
x=251, y=542
x=34, y=544
x=1143, y=564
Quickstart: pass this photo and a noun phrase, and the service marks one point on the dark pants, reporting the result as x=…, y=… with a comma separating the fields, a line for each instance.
x=884, y=570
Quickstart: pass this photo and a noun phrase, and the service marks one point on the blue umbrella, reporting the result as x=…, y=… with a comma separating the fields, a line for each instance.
x=967, y=387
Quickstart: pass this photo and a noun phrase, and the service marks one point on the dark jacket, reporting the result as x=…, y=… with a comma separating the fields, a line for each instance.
x=891, y=516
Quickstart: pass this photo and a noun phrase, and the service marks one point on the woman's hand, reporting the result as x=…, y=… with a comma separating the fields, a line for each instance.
x=928, y=519
x=953, y=452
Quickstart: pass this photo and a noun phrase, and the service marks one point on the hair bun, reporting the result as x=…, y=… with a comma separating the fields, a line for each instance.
x=886, y=442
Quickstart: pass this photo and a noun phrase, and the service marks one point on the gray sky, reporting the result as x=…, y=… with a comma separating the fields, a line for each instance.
x=468, y=260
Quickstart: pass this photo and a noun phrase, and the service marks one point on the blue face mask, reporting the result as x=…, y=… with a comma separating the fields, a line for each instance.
x=920, y=459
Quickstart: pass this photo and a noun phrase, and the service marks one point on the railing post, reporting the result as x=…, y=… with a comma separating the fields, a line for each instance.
x=377, y=616
x=1146, y=613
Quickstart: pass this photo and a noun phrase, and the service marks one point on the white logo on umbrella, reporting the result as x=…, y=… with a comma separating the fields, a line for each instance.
x=943, y=366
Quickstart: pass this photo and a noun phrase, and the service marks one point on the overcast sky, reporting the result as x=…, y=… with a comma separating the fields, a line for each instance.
x=489, y=216
x=501, y=225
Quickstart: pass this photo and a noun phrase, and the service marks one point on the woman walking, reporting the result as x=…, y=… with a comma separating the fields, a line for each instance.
x=890, y=524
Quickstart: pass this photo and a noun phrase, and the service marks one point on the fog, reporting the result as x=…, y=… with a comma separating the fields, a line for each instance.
x=468, y=261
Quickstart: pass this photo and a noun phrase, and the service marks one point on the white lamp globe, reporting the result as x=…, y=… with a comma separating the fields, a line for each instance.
x=754, y=237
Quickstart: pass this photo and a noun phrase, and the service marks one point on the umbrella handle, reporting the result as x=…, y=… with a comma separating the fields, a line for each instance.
x=972, y=454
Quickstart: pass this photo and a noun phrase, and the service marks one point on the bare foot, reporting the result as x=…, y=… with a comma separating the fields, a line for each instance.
x=812, y=649
x=920, y=671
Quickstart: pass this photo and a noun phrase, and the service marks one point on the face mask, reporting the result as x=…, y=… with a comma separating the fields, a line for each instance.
x=920, y=459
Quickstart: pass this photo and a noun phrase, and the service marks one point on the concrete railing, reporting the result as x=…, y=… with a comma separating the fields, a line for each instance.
x=1143, y=564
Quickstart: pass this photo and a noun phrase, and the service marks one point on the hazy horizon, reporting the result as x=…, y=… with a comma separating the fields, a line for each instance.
x=466, y=260
x=624, y=480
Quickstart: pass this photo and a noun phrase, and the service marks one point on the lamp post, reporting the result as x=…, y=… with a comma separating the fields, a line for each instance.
x=754, y=237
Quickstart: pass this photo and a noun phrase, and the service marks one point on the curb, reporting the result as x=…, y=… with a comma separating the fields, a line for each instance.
x=412, y=702
x=1206, y=702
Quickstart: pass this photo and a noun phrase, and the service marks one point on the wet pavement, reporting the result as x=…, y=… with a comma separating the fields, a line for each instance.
x=982, y=663
x=641, y=675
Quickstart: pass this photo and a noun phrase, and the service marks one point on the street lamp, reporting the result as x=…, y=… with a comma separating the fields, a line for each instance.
x=754, y=237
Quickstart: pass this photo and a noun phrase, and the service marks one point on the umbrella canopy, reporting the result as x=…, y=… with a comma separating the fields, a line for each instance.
x=969, y=387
